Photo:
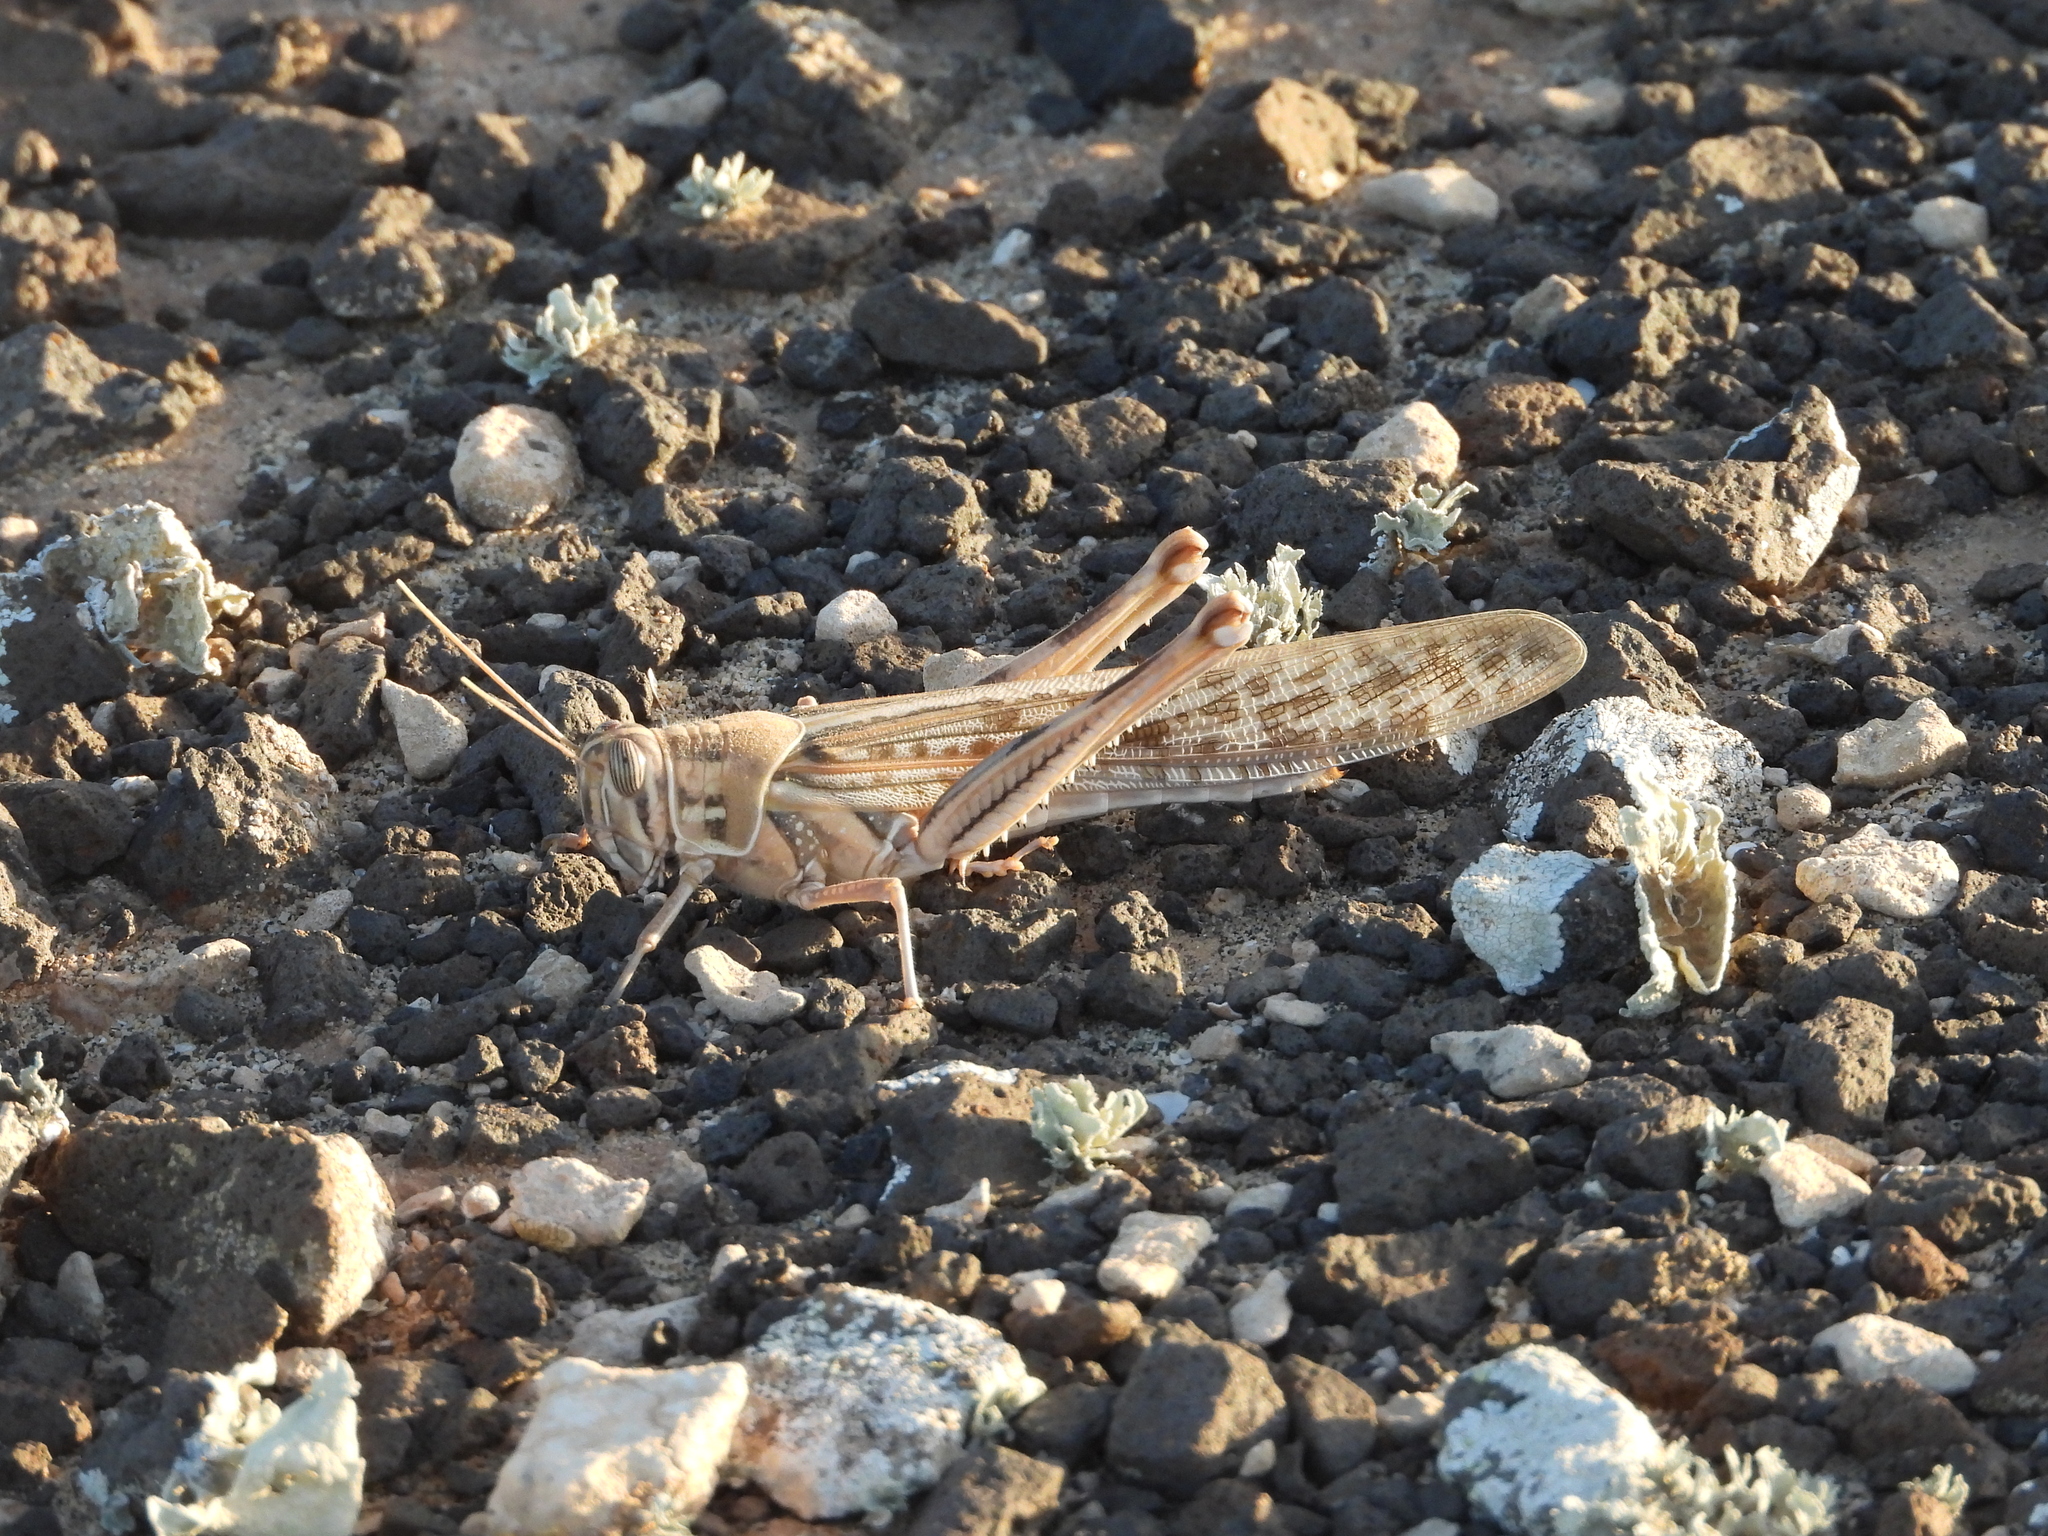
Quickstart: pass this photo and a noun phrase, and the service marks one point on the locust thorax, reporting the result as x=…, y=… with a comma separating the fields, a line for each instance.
x=694, y=789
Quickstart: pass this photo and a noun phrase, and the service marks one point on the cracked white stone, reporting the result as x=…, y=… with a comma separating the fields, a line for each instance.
x=855, y=615
x=1418, y=435
x=1593, y=106
x=1802, y=807
x=514, y=465
x=1807, y=1188
x=556, y=1195
x=1890, y=754
x=743, y=996
x=1951, y=223
x=1873, y=1348
x=1152, y=1254
x=612, y=1450
x=556, y=975
x=1517, y=1060
x=1896, y=877
x=430, y=734
x=1263, y=1316
x=1438, y=197
x=1506, y=905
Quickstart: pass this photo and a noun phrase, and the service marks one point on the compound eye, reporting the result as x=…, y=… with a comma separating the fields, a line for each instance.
x=628, y=774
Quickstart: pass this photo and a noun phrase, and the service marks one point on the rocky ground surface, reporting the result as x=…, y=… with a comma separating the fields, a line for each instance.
x=1452, y=1165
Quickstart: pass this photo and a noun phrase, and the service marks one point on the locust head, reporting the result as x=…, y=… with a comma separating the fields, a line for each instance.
x=695, y=789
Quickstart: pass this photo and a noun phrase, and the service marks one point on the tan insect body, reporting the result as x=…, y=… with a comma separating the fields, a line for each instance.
x=842, y=803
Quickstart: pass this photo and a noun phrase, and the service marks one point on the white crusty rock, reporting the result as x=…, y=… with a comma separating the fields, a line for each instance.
x=430, y=735
x=616, y=1338
x=1807, y=1189
x=1506, y=905
x=855, y=615
x=1802, y=807
x=1872, y=1348
x=1951, y=223
x=555, y=975
x=1897, y=877
x=1418, y=435
x=514, y=465
x=1533, y=1430
x=860, y=1400
x=962, y=667
x=617, y=1450
x=692, y=106
x=1595, y=106
x=1692, y=757
x=31, y=1117
x=558, y=1198
x=743, y=996
x=1152, y=1254
x=142, y=582
x=1438, y=197
x=1262, y=1316
x=1890, y=754
x=1516, y=1060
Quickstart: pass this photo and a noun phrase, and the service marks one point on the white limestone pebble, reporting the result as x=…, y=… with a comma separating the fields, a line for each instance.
x=1873, y=1348
x=1039, y=1298
x=1951, y=223
x=1694, y=758
x=616, y=1338
x=1506, y=905
x=1889, y=754
x=1532, y=1429
x=428, y=1202
x=1271, y=1198
x=324, y=911
x=861, y=1399
x=1152, y=1254
x=743, y=996
x=959, y=668
x=1407, y=1417
x=1593, y=106
x=691, y=106
x=1262, y=1316
x=1807, y=1188
x=554, y=974
x=855, y=615
x=568, y=1194
x=1517, y=1060
x=480, y=1202
x=612, y=1450
x=514, y=465
x=1419, y=435
x=1438, y=197
x=1286, y=1008
x=1802, y=807
x=1539, y=311
x=1215, y=1043
x=430, y=734
x=1897, y=877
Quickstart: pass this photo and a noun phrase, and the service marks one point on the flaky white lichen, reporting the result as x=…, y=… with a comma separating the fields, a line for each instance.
x=141, y=582
x=300, y=1472
x=707, y=194
x=1733, y=1143
x=1420, y=525
x=1079, y=1128
x=565, y=330
x=1283, y=608
x=1685, y=894
x=1761, y=1495
x=1944, y=1483
x=31, y=1116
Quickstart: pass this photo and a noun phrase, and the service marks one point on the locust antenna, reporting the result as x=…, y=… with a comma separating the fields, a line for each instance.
x=520, y=711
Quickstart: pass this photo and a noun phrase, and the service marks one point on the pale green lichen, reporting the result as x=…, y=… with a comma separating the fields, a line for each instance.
x=299, y=1472
x=1078, y=1128
x=565, y=330
x=144, y=584
x=1944, y=1483
x=1685, y=894
x=1420, y=525
x=1734, y=1143
x=707, y=195
x=1762, y=1495
x=1283, y=609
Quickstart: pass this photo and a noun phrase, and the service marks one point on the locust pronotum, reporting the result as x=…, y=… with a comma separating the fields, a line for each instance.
x=841, y=803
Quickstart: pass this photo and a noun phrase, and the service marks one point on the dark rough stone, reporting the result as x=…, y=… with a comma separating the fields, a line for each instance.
x=1434, y=1281
x=484, y=169
x=72, y=828
x=2012, y=829
x=1723, y=190
x=1189, y=1411
x=956, y=1132
x=590, y=194
x=916, y=504
x=988, y=1492
x=417, y=886
x=506, y=1301
x=136, y=1068
x=978, y=945
x=788, y=242
x=1336, y=1418
x=1840, y=1061
x=1138, y=990
x=1343, y=316
x=1324, y=508
x=828, y=359
x=310, y=983
x=57, y=397
x=398, y=257
x=1654, y=1149
x=634, y=436
x=1577, y=1282
x=1884, y=977
x=785, y=1176
x=230, y=824
x=54, y=267
x=1510, y=418
x=1144, y=50
x=279, y=173
x=818, y=92
x=1962, y=1209
x=1405, y=1168
x=1096, y=441
x=1263, y=139
x=1956, y=328
x=1615, y=338
x=338, y=708
x=923, y=322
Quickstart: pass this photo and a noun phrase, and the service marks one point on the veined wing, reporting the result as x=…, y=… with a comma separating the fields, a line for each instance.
x=1275, y=713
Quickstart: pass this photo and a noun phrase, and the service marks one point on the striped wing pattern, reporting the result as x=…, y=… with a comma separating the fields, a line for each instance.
x=1274, y=713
